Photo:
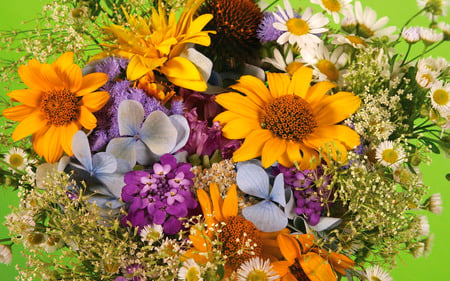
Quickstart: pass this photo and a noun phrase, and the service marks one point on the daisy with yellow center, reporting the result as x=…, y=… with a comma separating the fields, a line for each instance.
x=301, y=31
x=190, y=271
x=353, y=40
x=389, y=154
x=369, y=27
x=326, y=64
x=160, y=44
x=256, y=269
x=288, y=122
x=286, y=63
x=58, y=103
x=16, y=158
x=376, y=273
x=334, y=7
x=440, y=96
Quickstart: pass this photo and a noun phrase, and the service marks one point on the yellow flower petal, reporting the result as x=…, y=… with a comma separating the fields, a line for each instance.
x=29, y=97
x=30, y=74
x=53, y=141
x=293, y=152
x=239, y=128
x=67, y=134
x=226, y=116
x=230, y=204
x=31, y=124
x=239, y=104
x=254, y=89
x=91, y=83
x=205, y=202
x=272, y=151
x=318, y=91
x=278, y=84
x=18, y=112
x=310, y=158
x=301, y=81
x=182, y=72
x=252, y=146
x=95, y=101
x=333, y=109
x=217, y=201
x=341, y=133
x=87, y=119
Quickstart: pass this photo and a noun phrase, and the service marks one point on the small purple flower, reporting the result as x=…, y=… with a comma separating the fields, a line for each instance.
x=266, y=32
x=160, y=196
x=112, y=66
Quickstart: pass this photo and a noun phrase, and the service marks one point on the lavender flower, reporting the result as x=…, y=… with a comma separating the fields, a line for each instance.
x=112, y=66
x=159, y=196
x=266, y=32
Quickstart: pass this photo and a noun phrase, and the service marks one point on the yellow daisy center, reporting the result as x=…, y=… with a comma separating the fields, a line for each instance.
x=60, y=107
x=257, y=275
x=355, y=40
x=297, y=26
x=440, y=97
x=332, y=5
x=240, y=240
x=329, y=69
x=192, y=274
x=374, y=278
x=364, y=31
x=16, y=160
x=293, y=67
x=427, y=77
x=289, y=117
x=390, y=156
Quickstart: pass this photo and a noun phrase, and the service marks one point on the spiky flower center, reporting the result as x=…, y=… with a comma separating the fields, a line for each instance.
x=297, y=26
x=289, y=117
x=257, y=275
x=440, y=97
x=390, y=156
x=355, y=40
x=329, y=69
x=332, y=5
x=16, y=160
x=293, y=67
x=240, y=240
x=60, y=107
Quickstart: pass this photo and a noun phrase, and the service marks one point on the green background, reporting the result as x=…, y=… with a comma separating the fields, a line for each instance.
x=434, y=267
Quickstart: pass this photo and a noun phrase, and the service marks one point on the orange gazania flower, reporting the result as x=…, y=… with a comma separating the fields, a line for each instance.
x=306, y=263
x=58, y=103
x=290, y=121
x=158, y=43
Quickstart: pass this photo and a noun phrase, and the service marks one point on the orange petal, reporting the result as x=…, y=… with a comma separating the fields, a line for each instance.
x=301, y=81
x=205, y=202
x=289, y=247
x=31, y=75
x=217, y=201
x=239, y=104
x=254, y=89
x=318, y=91
x=339, y=262
x=316, y=268
x=95, y=101
x=226, y=116
x=310, y=158
x=252, y=146
x=293, y=152
x=136, y=68
x=333, y=109
x=62, y=62
x=18, y=113
x=341, y=133
x=91, y=83
x=230, y=204
x=239, y=128
x=194, y=254
x=306, y=241
x=281, y=267
x=53, y=141
x=278, y=84
x=31, y=124
x=67, y=135
x=272, y=151
x=74, y=77
x=87, y=119
x=29, y=97
x=39, y=143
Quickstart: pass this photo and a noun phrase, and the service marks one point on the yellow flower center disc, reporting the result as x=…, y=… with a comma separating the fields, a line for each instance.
x=192, y=274
x=390, y=156
x=257, y=275
x=16, y=160
x=332, y=5
x=355, y=40
x=289, y=117
x=60, y=107
x=297, y=26
x=440, y=97
x=329, y=69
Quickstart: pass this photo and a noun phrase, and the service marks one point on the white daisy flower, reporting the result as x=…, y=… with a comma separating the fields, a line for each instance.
x=286, y=63
x=435, y=8
x=430, y=36
x=426, y=78
x=349, y=23
x=376, y=273
x=190, y=271
x=334, y=7
x=5, y=254
x=445, y=27
x=390, y=155
x=326, y=65
x=353, y=40
x=411, y=34
x=301, y=31
x=440, y=96
x=418, y=251
x=438, y=65
x=424, y=226
x=151, y=233
x=256, y=269
x=369, y=27
x=16, y=158
x=435, y=203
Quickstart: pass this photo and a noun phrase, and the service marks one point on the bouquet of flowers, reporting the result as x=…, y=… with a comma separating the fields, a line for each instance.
x=221, y=140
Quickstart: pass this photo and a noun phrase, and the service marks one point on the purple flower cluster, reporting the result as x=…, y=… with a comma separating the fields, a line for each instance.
x=310, y=199
x=159, y=196
x=266, y=32
x=204, y=140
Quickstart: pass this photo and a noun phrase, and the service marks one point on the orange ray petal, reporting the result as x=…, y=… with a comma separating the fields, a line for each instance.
x=67, y=135
x=29, y=97
x=87, y=119
x=226, y=116
x=301, y=81
x=73, y=76
x=316, y=268
x=252, y=146
x=342, y=133
x=289, y=247
x=318, y=91
x=306, y=241
x=293, y=152
x=333, y=109
x=281, y=267
x=217, y=201
x=278, y=84
x=39, y=144
x=53, y=141
x=230, y=204
x=62, y=62
x=310, y=158
x=239, y=128
x=91, y=83
x=95, y=101
x=239, y=104
x=205, y=202
x=338, y=261
x=254, y=89
x=31, y=75
x=31, y=124
x=18, y=112
x=272, y=151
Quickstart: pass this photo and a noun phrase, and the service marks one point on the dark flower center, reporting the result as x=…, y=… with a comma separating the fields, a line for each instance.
x=289, y=117
x=297, y=271
x=60, y=107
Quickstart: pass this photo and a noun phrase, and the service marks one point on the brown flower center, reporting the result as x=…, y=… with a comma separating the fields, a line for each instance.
x=60, y=107
x=297, y=271
x=240, y=240
x=289, y=117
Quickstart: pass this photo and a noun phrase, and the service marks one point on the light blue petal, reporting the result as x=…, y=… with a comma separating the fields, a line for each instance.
x=131, y=115
x=100, y=189
x=326, y=223
x=181, y=125
x=256, y=162
x=105, y=202
x=114, y=183
x=144, y=156
x=44, y=172
x=123, y=166
x=63, y=162
x=289, y=209
x=81, y=150
x=253, y=180
x=277, y=194
x=104, y=163
x=123, y=148
x=266, y=216
x=158, y=133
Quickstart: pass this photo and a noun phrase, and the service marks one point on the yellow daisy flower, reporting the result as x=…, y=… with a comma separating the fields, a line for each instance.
x=158, y=44
x=289, y=121
x=57, y=104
